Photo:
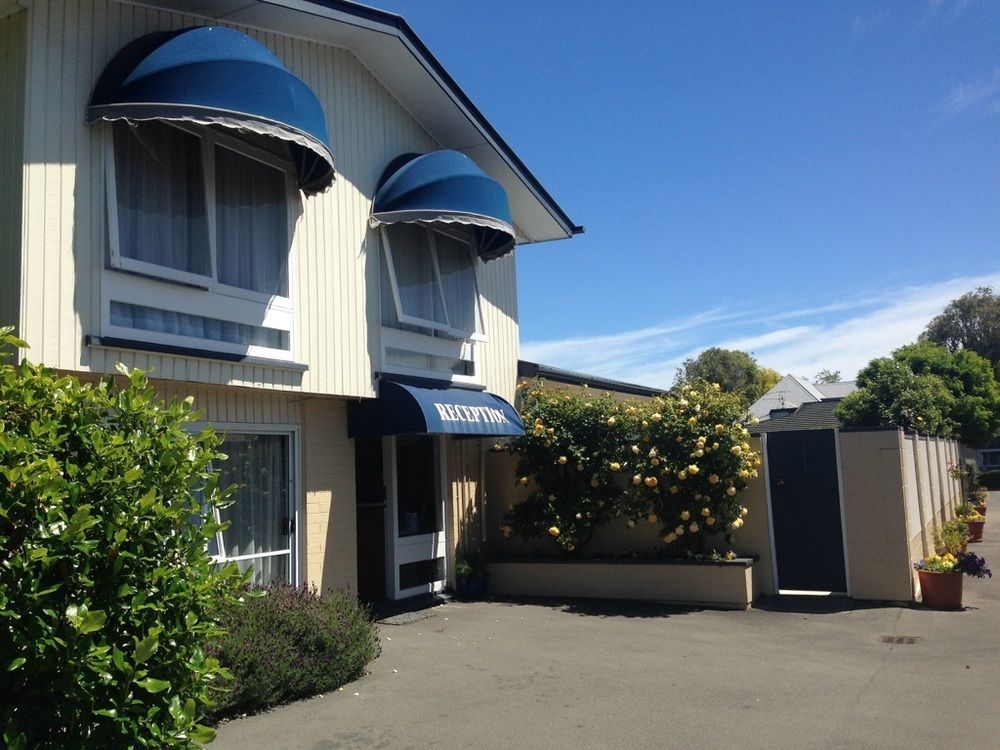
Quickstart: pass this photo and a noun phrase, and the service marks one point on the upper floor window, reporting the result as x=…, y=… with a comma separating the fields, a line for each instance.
x=431, y=316
x=209, y=215
x=432, y=280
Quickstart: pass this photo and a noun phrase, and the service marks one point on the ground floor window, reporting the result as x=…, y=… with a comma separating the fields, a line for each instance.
x=262, y=531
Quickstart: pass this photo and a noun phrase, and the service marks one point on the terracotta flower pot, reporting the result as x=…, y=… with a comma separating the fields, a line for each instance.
x=976, y=530
x=941, y=590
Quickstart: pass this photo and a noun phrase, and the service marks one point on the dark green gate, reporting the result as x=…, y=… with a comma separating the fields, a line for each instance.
x=805, y=511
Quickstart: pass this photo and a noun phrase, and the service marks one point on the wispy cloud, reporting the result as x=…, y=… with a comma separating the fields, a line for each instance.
x=868, y=326
x=984, y=92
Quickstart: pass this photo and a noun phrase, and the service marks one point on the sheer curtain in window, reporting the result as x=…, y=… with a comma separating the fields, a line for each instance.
x=161, y=197
x=251, y=224
x=258, y=464
x=458, y=282
x=411, y=258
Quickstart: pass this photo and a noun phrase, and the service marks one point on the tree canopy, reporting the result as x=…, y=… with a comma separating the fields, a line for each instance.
x=924, y=386
x=970, y=322
x=827, y=376
x=735, y=371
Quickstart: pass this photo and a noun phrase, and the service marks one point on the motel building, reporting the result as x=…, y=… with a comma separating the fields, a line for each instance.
x=289, y=211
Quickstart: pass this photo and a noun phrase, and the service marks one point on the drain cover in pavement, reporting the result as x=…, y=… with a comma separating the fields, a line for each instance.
x=900, y=639
x=406, y=618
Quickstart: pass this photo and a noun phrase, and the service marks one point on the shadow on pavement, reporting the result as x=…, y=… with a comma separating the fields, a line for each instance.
x=602, y=607
x=819, y=605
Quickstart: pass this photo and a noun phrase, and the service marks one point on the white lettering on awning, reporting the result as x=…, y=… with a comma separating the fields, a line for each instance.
x=463, y=413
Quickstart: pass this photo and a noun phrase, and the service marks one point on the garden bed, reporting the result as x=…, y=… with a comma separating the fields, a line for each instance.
x=727, y=584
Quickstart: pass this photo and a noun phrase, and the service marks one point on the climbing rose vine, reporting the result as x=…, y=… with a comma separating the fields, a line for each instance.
x=678, y=460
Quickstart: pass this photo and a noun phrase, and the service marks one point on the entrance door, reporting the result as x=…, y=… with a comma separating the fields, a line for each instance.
x=371, y=505
x=805, y=511
x=416, y=563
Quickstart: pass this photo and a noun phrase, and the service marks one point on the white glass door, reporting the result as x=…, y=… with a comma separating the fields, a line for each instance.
x=416, y=521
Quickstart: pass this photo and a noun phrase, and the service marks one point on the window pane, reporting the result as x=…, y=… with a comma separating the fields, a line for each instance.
x=417, y=496
x=161, y=197
x=411, y=257
x=258, y=465
x=458, y=282
x=183, y=324
x=251, y=224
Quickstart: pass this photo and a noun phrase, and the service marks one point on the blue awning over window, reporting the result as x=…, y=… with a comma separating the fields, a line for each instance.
x=210, y=75
x=446, y=187
x=405, y=409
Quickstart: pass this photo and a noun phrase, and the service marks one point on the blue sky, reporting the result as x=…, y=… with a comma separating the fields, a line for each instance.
x=808, y=181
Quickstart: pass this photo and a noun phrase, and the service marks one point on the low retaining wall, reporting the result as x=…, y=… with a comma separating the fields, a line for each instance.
x=719, y=584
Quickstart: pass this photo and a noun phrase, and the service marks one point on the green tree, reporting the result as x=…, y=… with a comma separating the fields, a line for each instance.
x=107, y=594
x=890, y=393
x=735, y=371
x=970, y=322
x=827, y=376
x=976, y=408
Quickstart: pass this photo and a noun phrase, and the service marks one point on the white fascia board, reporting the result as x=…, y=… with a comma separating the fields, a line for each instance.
x=407, y=73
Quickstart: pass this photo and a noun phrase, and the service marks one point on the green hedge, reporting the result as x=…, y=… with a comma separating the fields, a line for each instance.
x=107, y=595
x=990, y=479
x=290, y=643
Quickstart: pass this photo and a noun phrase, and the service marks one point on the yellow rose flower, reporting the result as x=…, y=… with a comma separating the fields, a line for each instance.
x=635, y=448
x=637, y=479
x=656, y=417
x=579, y=467
x=713, y=478
x=674, y=489
x=630, y=523
x=693, y=528
x=679, y=531
x=685, y=515
x=731, y=492
x=553, y=531
x=670, y=538
x=682, y=474
x=654, y=461
x=744, y=512
x=579, y=516
x=719, y=429
x=615, y=466
x=651, y=481
x=706, y=512
x=692, y=421
x=523, y=481
x=562, y=460
x=693, y=469
x=611, y=421
x=710, y=521
x=594, y=482
x=736, y=450
x=651, y=518
x=699, y=453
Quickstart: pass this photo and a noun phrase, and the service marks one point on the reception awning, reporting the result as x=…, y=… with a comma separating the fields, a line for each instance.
x=446, y=187
x=210, y=75
x=406, y=409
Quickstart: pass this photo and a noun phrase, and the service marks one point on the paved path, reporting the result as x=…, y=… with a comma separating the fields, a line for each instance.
x=583, y=675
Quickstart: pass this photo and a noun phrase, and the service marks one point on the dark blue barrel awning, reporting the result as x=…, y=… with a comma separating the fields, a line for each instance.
x=405, y=409
x=210, y=75
x=446, y=187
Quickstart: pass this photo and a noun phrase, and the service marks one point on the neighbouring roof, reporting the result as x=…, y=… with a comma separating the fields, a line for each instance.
x=533, y=370
x=395, y=55
x=837, y=390
x=815, y=415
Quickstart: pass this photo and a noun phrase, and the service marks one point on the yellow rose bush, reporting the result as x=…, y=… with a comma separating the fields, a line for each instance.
x=679, y=460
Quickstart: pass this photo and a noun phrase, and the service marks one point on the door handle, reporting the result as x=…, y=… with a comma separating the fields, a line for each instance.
x=288, y=526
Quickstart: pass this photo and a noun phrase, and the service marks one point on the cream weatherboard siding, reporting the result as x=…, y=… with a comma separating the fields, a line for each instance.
x=334, y=269
x=13, y=26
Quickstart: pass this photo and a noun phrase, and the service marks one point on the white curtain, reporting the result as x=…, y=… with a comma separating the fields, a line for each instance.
x=258, y=464
x=161, y=197
x=251, y=224
x=458, y=282
x=144, y=318
x=411, y=258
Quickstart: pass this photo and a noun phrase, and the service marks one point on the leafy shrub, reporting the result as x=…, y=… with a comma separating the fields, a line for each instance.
x=990, y=479
x=952, y=537
x=290, y=644
x=107, y=595
x=678, y=461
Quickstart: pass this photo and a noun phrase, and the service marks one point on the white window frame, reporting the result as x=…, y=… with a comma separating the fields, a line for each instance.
x=295, y=502
x=478, y=333
x=132, y=281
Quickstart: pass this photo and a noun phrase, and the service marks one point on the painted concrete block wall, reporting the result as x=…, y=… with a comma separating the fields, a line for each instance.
x=754, y=539
x=330, y=492
x=13, y=39
x=334, y=254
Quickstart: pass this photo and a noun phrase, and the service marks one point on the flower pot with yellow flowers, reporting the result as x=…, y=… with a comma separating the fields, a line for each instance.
x=940, y=577
x=978, y=499
x=975, y=522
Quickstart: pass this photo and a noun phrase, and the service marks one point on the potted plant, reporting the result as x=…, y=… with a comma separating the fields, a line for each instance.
x=953, y=536
x=941, y=577
x=978, y=497
x=974, y=520
x=472, y=578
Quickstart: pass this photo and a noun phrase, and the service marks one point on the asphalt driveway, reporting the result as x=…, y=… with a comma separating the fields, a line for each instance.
x=800, y=674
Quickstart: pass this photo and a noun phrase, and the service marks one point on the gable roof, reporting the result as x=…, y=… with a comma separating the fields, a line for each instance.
x=790, y=391
x=837, y=390
x=395, y=55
